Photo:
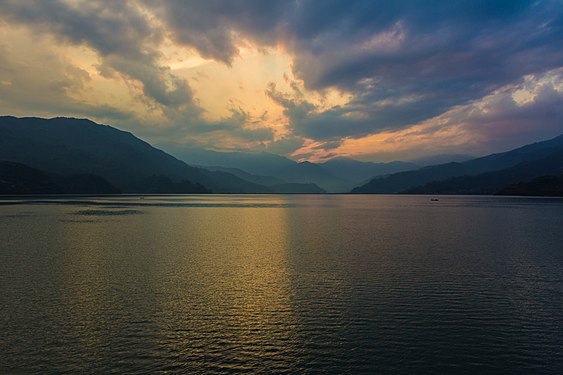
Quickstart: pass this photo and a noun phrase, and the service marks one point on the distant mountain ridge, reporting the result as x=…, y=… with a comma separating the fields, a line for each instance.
x=257, y=179
x=355, y=170
x=68, y=146
x=336, y=175
x=277, y=185
x=405, y=181
x=257, y=163
x=267, y=165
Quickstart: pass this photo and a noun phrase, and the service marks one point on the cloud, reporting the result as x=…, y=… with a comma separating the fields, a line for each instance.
x=217, y=29
x=515, y=114
x=118, y=31
x=531, y=110
x=232, y=132
x=158, y=82
x=403, y=62
x=443, y=55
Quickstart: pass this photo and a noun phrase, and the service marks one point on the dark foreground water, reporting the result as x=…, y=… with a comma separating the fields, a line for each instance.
x=296, y=284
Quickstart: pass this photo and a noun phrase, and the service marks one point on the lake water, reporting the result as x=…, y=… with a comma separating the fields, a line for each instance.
x=273, y=284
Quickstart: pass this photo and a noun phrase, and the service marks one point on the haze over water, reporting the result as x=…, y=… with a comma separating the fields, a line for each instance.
x=296, y=284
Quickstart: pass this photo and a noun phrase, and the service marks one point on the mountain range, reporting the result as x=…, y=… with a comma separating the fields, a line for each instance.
x=78, y=156
x=470, y=177
x=334, y=176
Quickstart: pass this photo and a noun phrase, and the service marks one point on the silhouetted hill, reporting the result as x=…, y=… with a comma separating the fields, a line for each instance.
x=540, y=186
x=307, y=172
x=223, y=182
x=17, y=178
x=408, y=180
x=69, y=146
x=492, y=182
x=276, y=185
x=358, y=171
x=257, y=179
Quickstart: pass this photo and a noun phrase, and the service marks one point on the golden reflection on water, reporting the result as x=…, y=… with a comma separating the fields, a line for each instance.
x=240, y=295
x=260, y=301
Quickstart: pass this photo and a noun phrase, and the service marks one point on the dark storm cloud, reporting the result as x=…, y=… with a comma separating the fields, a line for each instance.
x=411, y=42
x=214, y=27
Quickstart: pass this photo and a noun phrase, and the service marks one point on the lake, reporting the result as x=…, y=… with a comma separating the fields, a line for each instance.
x=281, y=284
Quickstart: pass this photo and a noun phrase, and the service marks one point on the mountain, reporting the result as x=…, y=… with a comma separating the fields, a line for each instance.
x=17, y=178
x=257, y=163
x=404, y=181
x=277, y=185
x=307, y=172
x=493, y=182
x=68, y=146
x=359, y=171
x=540, y=186
x=269, y=166
x=257, y=179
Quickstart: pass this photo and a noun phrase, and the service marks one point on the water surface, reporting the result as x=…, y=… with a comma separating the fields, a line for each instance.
x=271, y=284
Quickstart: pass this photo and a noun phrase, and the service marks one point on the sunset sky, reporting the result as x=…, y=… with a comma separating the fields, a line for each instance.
x=309, y=79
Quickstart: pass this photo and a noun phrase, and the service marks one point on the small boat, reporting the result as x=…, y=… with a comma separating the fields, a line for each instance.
x=434, y=199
